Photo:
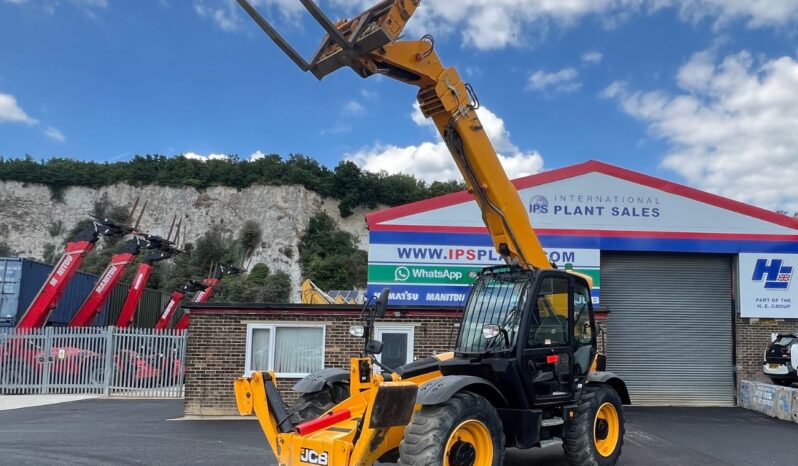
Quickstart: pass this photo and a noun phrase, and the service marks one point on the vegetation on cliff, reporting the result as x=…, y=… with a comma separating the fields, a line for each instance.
x=349, y=184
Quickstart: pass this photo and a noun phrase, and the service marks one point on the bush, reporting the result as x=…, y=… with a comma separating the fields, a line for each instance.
x=330, y=257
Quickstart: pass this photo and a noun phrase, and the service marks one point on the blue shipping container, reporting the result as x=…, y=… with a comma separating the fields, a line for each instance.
x=21, y=280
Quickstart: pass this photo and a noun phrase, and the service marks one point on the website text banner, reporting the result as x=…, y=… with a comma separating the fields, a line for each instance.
x=440, y=275
x=481, y=256
x=766, y=288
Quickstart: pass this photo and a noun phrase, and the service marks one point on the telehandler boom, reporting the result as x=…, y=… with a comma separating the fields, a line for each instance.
x=525, y=371
x=80, y=245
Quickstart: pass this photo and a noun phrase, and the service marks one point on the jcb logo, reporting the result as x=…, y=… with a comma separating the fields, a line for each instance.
x=312, y=457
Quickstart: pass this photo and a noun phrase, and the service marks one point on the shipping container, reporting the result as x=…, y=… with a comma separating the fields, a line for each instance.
x=21, y=280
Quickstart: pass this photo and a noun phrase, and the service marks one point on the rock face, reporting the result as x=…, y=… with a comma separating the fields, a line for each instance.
x=29, y=216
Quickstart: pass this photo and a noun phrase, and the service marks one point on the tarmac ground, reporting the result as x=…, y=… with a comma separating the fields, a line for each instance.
x=122, y=432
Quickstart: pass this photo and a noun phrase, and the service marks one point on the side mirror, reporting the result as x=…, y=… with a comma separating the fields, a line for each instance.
x=382, y=303
x=374, y=347
x=491, y=331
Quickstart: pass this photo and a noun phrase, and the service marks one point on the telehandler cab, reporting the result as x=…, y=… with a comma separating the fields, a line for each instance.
x=525, y=371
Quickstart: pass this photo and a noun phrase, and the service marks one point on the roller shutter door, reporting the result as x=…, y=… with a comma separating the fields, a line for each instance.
x=670, y=327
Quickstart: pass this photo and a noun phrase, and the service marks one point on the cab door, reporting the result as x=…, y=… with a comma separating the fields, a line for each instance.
x=546, y=360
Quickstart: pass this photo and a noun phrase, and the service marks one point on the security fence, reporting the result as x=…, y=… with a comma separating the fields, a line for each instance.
x=108, y=361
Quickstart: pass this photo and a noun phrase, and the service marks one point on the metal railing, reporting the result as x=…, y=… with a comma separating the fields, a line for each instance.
x=93, y=360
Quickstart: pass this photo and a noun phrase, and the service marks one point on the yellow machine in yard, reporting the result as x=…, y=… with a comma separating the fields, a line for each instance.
x=525, y=371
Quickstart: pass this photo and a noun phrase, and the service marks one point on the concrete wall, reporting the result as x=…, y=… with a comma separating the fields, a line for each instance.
x=775, y=401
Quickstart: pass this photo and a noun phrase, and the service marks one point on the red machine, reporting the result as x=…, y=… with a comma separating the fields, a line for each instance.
x=205, y=293
x=106, y=283
x=165, y=250
x=177, y=297
x=81, y=244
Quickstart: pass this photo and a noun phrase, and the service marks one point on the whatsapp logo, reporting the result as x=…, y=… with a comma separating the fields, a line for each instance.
x=401, y=274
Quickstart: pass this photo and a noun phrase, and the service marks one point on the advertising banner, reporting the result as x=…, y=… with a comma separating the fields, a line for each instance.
x=766, y=289
x=440, y=275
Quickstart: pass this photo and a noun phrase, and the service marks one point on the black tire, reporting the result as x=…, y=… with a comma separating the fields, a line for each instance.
x=782, y=382
x=426, y=437
x=580, y=433
x=310, y=406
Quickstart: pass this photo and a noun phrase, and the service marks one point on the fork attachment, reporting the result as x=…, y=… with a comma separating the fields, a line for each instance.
x=348, y=42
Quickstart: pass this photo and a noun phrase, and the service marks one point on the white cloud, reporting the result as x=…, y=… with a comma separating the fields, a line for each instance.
x=431, y=161
x=10, y=111
x=338, y=128
x=732, y=127
x=225, y=15
x=353, y=108
x=88, y=7
x=564, y=80
x=257, y=155
x=368, y=94
x=494, y=24
x=228, y=16
x=205, y=158
x=593, y=56
x=54, y=134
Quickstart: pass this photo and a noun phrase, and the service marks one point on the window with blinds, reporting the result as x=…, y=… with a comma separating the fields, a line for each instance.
x=288, y=350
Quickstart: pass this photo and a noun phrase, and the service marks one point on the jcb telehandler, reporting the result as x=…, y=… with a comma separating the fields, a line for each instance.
x=525, y=371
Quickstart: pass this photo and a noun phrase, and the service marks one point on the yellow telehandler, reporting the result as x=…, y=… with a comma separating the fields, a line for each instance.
x=525, y=371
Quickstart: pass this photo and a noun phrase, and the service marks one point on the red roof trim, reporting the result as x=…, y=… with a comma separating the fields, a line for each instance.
x=382, y=216
x=593, y=233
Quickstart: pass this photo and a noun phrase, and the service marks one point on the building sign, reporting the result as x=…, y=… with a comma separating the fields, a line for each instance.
x=766, y=286
x=596, y=201
x=438, y=275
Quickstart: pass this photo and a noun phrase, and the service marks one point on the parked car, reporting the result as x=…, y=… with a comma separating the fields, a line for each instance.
x=781, y=359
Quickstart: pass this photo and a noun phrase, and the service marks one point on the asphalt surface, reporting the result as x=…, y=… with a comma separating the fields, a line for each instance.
x=101, y=432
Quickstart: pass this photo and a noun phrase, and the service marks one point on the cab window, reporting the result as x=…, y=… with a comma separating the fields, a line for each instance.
x=583, y=331
x=549, y=324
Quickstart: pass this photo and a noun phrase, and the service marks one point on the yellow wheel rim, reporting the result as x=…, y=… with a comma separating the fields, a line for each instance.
x=469, y=445
x=606, y=429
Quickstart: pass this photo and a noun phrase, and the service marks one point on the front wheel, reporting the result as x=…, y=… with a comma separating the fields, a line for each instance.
x=464, y=431
x=595, y=436
x=311, y=406
x=782, y=382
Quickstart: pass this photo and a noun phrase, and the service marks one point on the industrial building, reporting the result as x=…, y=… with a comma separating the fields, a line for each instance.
x=694, y=284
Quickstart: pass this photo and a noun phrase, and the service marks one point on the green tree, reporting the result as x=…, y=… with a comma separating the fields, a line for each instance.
x=330, y=257
x=347, y=182
x=276, y=289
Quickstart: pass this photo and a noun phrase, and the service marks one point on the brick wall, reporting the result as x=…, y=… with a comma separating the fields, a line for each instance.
x=217, y=347
x=753, y=336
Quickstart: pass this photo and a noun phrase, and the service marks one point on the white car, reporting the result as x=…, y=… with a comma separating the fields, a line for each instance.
x=781, y=359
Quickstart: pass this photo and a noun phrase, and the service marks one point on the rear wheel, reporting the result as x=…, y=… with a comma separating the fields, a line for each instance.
x=310, y=406
x=782, y=382
x=595, y=436
x=464, y=431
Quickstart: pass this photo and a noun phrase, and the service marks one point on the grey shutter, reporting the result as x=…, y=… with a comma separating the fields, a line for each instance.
x=669, y=334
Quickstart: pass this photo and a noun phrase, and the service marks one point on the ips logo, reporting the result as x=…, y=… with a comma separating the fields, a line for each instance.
x=538, y=205
x=776, y=275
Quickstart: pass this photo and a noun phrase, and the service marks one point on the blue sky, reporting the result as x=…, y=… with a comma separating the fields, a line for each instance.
x=704, y=92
